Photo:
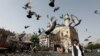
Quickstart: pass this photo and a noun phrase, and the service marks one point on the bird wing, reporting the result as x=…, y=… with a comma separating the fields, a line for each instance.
x=51, y=28
x=75, y=20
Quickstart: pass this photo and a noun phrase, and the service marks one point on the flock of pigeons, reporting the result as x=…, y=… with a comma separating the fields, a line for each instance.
x=28, y=7
x=31, y=13
x=87, y=39
x=53, y=22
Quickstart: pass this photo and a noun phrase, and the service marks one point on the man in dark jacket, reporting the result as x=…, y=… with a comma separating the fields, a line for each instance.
x=77, y=49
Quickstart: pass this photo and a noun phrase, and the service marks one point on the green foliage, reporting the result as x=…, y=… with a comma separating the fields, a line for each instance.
x=90, y=46
x=34, y=39
x=93, y=46
x=96, y=46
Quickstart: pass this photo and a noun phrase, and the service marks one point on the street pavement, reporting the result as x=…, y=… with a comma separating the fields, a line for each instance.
x=48, y=54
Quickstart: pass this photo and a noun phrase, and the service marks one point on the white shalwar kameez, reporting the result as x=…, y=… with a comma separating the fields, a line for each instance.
x=79, y=51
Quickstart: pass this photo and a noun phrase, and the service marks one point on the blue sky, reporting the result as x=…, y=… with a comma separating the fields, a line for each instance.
x=13, y=16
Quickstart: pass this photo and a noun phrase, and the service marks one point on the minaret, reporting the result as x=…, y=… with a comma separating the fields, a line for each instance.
x=66, y=32
x=66, y=20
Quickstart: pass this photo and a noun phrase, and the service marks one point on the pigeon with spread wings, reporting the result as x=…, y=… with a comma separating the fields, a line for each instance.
x=51, y=28
x=75, y=20
x=37, y=16
x=30, y=14
x=27, y=5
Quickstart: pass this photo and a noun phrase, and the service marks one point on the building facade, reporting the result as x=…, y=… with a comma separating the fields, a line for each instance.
x=66, y=34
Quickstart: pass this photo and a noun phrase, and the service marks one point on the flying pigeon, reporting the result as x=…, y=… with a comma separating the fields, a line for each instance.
x=37, y=16
x=51, y=28
x=86, y=40
x=75, y=20
x=52, y=3
x=97, y=12
x=27, y=5
x=77, y=23
x=30, y=13
x=39, y=31
x=26, y=27
x=57, y=8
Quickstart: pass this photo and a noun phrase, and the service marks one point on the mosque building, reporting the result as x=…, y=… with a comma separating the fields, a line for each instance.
x=66, y=34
